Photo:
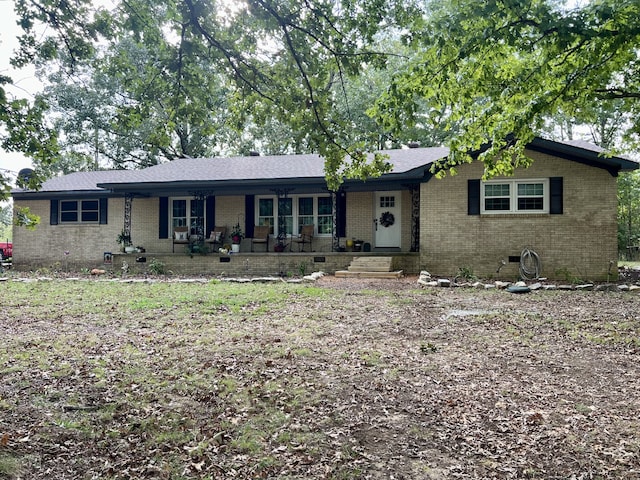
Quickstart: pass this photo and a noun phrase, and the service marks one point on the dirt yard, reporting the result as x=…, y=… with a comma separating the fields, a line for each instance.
x=343, y=379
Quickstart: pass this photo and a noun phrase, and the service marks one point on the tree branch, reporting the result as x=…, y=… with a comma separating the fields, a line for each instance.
x=230, y=56
x=614, y=93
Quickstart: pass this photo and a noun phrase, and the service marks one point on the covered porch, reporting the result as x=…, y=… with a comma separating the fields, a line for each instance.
x=285, y=194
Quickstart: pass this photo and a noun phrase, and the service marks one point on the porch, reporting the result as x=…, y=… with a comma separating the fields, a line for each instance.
x=255, y=263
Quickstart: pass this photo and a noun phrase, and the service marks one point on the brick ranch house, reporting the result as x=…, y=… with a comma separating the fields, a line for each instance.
x=563, y=207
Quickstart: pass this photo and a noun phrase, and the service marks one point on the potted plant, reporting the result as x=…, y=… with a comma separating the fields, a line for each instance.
x=236, y=237
x=124, y=239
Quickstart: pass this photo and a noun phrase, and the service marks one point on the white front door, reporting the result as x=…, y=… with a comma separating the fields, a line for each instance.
x=387, y=222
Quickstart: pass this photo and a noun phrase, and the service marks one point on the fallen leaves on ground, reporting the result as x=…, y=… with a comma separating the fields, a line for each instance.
x=343, y=379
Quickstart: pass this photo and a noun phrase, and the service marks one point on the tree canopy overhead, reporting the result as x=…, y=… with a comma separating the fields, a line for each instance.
x=180, y=73
x=142, y=81
x=501, y=68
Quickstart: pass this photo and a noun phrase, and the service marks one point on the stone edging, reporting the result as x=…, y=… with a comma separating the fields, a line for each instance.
x=307, y=278
x=425, y=280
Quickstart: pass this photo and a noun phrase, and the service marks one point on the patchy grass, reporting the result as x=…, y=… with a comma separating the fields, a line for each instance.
x=9, y=466
x=342, y=379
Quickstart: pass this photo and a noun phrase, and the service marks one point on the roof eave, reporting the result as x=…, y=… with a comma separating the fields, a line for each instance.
x=207, y=185
x=215, y=186
x=612, y=164
x=46, y=194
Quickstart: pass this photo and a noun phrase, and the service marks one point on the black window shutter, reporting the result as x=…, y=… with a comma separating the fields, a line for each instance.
x=341, y=213
x=163, y=217
x=556, y=202
x=210, y=214
x=473, y=197
x=54, y=212
x=103, y=211
x=249, y=214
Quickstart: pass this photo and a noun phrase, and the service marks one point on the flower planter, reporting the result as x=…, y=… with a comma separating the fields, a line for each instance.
x=235, y=248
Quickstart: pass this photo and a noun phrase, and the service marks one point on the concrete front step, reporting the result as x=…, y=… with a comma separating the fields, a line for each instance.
x=369, y=268
x=350, y=274
x=373, y=264
x=367, y=260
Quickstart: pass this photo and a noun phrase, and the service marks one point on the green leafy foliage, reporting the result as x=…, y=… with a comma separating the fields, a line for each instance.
x=25, y=218
x=157, y=267
x=24, y=130
x=628, y=215
x=6, y=215
x=149, y=82
x=6, y=222
x=501, y=68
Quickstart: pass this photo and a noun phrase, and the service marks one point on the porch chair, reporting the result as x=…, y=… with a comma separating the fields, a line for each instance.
x=216, y=237
x=306, y=236
x=260, y=235
x=180, y=237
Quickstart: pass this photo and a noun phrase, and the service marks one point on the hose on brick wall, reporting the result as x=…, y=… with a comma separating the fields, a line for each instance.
x=530, y=264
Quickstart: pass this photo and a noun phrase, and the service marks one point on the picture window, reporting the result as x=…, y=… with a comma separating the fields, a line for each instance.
x=79, y=211
x=515, y=196
x=295, y=211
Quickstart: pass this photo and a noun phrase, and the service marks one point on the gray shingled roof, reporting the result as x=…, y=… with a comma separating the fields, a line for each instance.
x=591, y=147
x=82, y=181
x=583, y=151
x=583, y=144
x=233, y=171
x=269, y=167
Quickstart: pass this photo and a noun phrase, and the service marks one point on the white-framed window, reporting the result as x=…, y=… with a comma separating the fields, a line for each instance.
x=294, y=211
x=515, y=196
x=324, y=225
x=306, y=212
x=79, y=211
x=285, y=215
x=266, y=213
x=188, y=212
